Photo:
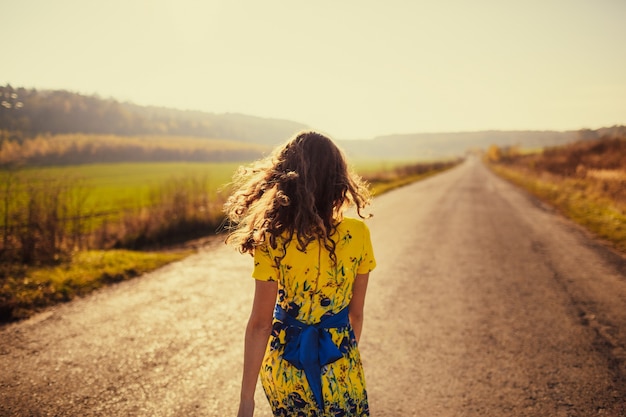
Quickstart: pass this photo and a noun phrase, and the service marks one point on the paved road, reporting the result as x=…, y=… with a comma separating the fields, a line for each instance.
x=485, y=303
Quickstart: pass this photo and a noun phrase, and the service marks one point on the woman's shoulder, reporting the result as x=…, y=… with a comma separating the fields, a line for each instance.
x=349, y=221
x=352, y=225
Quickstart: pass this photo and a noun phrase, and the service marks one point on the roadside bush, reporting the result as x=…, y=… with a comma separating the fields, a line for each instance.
x=40, y=218
x=180, y=209
x=598, y=166
x=43, y=220
x=408, y=171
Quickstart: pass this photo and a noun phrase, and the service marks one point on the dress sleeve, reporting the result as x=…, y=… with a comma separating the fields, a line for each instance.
x=368, y=262
x=264, y=269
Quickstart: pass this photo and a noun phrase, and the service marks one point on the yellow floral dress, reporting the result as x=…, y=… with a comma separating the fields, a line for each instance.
x=311, y=287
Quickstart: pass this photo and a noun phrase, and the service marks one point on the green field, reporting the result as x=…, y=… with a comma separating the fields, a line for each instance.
x=111, y=187
x=114, y=187
x=117, y=186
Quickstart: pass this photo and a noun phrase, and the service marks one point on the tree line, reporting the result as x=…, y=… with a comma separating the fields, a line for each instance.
x=73, y=149
x=26, y=113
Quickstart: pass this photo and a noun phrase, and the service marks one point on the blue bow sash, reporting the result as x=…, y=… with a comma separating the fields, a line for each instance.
x=312, y=347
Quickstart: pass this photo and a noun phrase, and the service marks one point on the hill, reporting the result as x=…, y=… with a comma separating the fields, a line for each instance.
x=443, y=145
x=26, y=113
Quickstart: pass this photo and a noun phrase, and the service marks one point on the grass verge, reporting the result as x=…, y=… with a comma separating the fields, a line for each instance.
x=25, y=290
x=378, y=187
x=571, y=197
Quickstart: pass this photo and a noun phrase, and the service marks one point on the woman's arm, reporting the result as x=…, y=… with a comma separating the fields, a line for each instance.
x=357, y=303
x=257, y=333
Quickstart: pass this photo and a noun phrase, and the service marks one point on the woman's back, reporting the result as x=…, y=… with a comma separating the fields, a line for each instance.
x=312, y=291
x=310, y=283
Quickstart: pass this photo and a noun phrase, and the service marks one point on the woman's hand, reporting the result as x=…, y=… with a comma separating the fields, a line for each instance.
x=246, y=408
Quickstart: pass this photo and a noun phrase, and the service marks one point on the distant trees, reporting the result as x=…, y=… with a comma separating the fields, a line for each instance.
x=71, y=149
x=494, y=153
x=31, y=112
x=498, y=154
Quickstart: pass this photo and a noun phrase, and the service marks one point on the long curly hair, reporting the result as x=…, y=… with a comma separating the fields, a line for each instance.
x=301, y=190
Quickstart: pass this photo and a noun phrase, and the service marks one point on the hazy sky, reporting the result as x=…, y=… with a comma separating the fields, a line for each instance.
x=351, y=68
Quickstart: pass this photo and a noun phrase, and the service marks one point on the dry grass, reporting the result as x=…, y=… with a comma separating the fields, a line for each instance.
x=386, y=180
x=585, y=181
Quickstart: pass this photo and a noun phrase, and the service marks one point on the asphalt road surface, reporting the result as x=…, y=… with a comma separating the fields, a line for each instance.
x=485, y=302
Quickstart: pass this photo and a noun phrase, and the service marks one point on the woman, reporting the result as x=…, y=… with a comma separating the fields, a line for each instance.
x=311, y=268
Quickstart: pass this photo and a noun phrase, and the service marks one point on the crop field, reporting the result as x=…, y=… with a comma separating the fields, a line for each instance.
x=118, y=186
